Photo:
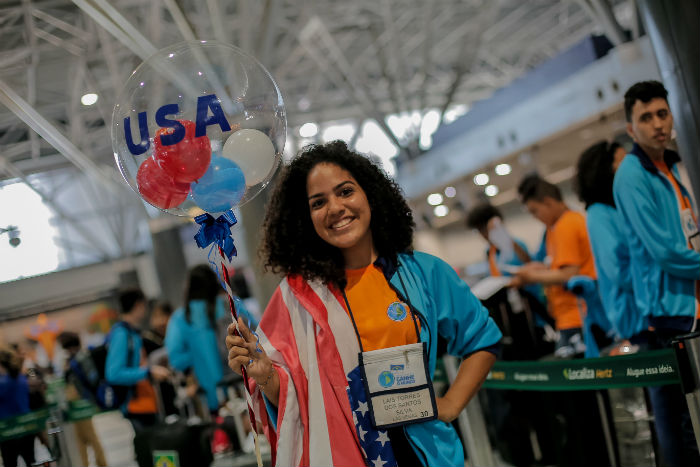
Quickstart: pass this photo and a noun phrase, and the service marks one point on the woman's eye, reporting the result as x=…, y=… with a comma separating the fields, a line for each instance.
x=317, y=203
x=346, y=192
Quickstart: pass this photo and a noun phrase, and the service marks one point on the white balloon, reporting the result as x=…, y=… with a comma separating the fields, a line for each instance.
x=254, y=153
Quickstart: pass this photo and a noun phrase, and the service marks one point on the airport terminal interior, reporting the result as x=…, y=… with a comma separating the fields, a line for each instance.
x=464, y=106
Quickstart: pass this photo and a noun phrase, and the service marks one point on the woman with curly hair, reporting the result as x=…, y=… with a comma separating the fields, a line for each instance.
x=594, y=182
x=348, y=342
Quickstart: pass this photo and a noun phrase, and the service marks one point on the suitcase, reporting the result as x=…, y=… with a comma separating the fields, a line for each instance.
x=177, y=441
x=188, y=444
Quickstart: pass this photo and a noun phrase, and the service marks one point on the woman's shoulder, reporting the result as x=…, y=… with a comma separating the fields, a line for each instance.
x=428, y=266
x=422, y=260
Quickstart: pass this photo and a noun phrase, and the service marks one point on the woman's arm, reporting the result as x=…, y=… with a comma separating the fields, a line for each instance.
x=472, y=373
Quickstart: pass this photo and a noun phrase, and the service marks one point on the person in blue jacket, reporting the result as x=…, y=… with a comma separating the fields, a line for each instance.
x=594, y=183
x=14, y=401
x=660, y=223
x=354, y=289
x=191, y=336
x=126, y=361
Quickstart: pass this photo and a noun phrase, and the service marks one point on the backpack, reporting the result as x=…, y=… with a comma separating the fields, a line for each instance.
x=88, y=369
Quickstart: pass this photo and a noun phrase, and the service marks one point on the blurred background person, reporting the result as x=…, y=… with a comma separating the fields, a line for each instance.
x=191, y=337
x=85, y=434
x=594, y=183
x=14, y=400
x=503, y=249
x=568, y=255
x=505, y=254
x=126, y=362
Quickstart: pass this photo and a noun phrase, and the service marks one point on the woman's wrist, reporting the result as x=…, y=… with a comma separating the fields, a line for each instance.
x=268, y=379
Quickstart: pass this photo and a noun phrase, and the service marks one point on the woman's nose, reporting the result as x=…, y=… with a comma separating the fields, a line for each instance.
x=334, y=205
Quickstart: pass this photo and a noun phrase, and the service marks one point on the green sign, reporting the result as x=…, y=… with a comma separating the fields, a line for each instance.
x=166, y=459
x=80, y=410
x=21, y=425
x=653, y=368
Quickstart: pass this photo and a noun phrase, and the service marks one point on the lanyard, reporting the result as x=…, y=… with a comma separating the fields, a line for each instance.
x=354, y=324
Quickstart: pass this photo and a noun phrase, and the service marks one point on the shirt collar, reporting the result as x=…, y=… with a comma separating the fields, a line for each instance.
x=387, y=266
x=670, y=157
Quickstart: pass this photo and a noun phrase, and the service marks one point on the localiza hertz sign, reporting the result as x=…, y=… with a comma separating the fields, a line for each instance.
x=645, y=369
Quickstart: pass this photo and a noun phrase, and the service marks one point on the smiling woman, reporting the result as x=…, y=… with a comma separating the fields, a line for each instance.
x=348, y=343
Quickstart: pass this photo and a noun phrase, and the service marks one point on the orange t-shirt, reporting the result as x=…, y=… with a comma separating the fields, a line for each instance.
x=382, y=319
x=568, y=245
x=143, y=399
x=684, y=203
x=682, y=200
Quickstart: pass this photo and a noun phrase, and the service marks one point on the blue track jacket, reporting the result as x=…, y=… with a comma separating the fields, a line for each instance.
x=447, y=308
x=663, y=267
x=117, y=370
x=194, y=344
x=612, y=263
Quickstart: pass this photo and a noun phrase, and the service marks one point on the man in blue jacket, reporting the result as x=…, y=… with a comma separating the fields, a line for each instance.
x=660, y=224
x=126, y=363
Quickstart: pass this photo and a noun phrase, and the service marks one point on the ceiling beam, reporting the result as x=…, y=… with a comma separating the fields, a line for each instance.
x=321, y=46
x=31, y=117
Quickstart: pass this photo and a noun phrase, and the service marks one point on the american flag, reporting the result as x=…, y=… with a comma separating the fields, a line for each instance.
x=376, y=446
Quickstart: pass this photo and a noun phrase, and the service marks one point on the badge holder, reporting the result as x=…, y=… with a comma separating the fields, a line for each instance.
x=398, y=386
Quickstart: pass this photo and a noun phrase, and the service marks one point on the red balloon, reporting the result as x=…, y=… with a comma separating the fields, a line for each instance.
x=159, y=188
x=187, y=160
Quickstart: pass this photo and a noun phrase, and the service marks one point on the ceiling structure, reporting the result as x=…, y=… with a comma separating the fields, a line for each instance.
x=333, y=60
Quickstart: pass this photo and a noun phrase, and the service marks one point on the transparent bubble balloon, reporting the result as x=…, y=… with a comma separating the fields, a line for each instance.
x=183, y=110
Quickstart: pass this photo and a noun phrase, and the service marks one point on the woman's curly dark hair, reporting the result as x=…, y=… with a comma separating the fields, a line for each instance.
x=291, y=244
x=594, y=174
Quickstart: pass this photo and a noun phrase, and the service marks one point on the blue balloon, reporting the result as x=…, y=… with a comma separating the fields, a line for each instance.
x=221, y=187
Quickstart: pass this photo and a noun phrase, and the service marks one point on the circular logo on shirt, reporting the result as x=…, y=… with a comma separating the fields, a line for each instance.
x=386, y=379
x=397, y=311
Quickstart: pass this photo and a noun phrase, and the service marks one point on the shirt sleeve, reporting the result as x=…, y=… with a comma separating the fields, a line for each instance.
x=117, y=369
x=639, y=210
x=462, y=320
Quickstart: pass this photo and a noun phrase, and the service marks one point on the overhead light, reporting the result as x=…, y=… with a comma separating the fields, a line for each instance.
x=434, y=199
x=304, y=104
x=88, y=99
x=491, y=190
x=450, y=192
x=308, y=130
x=481, y=179
x=441, y=211
x=503, y=169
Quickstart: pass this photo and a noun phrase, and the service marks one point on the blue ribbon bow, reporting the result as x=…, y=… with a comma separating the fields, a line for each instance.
x=216, y=231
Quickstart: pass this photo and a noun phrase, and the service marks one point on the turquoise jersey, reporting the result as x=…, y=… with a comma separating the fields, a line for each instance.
x=449, y=310
x=663, y=268
x=193, y=344
x=612, y=263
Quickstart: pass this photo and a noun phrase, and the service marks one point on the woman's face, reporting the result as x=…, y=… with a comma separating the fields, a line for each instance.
x=339, y=209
